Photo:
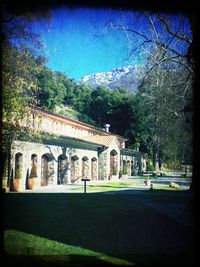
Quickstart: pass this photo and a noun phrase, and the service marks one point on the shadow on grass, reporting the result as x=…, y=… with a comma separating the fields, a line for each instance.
x=70, y=260
x=111, y=224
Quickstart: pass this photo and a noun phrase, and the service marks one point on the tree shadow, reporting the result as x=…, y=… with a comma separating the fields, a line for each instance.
x=110, y=224
x=69, y=260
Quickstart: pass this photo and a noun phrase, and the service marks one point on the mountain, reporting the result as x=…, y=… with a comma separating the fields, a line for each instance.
x=128, y=77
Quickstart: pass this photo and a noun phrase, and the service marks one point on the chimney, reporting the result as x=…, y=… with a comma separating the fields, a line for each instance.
x=107, y=126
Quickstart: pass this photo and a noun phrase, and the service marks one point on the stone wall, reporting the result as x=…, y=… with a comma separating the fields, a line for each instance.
x=27, y=149
x=72, y=164
x=52, y=123
x=103, y=172
x=135, y=163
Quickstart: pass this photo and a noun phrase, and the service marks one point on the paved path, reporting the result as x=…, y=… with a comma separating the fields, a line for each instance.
x=139, y=186
x=69, y=188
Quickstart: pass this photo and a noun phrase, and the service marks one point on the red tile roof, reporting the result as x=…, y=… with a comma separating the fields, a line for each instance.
x=102, y=140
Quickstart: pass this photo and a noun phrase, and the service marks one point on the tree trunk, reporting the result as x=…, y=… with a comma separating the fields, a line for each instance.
x=8, y=158
x=155, y=159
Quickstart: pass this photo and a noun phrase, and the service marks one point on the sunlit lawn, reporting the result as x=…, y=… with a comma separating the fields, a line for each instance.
x=95, y=228
x=111, y=186
x=19, y=243
x=114, y=186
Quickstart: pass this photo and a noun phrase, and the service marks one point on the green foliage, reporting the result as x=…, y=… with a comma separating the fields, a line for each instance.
x=19, y=87
x=125, y=170
x=73, y=114
x=100, y=103
x=160, y=122
x=33, y=173
x=173, y=165
x=150, y=167
x=5, y=169
x=122, y=113
x=18, y=82
x=51, y=89
x=18, y=171
x=82, y=98
x=46, y=249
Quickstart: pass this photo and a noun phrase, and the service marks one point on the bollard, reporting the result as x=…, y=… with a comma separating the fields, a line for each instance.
x=85, y=180
x=151, y=187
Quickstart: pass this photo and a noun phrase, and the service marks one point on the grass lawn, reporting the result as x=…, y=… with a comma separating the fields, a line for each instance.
x=19, y=243
x=97, y=229
x=114, y=186
x=110, y=186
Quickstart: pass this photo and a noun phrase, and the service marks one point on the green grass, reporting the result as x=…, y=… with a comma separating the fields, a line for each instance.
x=114, y=186
x=161, y=187
x=97, y=228
x=19, y=243
x=111, y=186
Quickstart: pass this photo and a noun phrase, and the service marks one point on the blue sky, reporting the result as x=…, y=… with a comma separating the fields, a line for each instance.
x=78, y=43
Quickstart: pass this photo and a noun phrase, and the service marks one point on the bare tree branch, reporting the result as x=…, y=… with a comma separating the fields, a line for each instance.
x=169, y=30
x=128, y=30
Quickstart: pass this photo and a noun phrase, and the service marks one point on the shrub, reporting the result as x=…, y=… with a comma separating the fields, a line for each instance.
x=150, y=167
x=125, y=170
x=33, y=173
x=18, y=171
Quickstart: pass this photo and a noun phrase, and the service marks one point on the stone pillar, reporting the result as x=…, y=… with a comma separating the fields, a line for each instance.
x=51, y=172
x=94, y=167
x=129, y=167
x=55, y=172
x=78, y=169
x=68, y=174
x=103, y=165
x=135, y=165
x=90, y=169
x=69, y=170
x=39, y=166
x=25, y=171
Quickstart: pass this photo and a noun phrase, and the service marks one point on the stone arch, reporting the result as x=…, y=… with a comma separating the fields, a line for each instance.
x=94, y=168
x=47, y=169
x=113, y=162
x=124, y=166
x=63, y=167
x=74, y=168
x=34, y=158
x=85, y=167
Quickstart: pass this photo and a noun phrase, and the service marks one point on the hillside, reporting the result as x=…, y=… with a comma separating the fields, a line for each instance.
x=73, y=114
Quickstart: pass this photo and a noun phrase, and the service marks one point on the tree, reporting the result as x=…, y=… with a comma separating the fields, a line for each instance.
x=19, y=70
x=163, y=97
x=121, y=114
x=82, y=98
x=101, y=104
x=159, y=38
x=51, y=88
x=165, y=44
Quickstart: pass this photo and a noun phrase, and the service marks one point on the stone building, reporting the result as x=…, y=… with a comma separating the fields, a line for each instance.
x=73, y=150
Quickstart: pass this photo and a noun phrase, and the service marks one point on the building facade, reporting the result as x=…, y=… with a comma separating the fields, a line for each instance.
x=72, y=151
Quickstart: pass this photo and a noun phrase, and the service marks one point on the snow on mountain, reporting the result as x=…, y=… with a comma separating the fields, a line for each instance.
x=128, y=77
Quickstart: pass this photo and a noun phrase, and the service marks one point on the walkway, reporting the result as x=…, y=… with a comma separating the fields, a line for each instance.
x=78, y=188
x=136, y=188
